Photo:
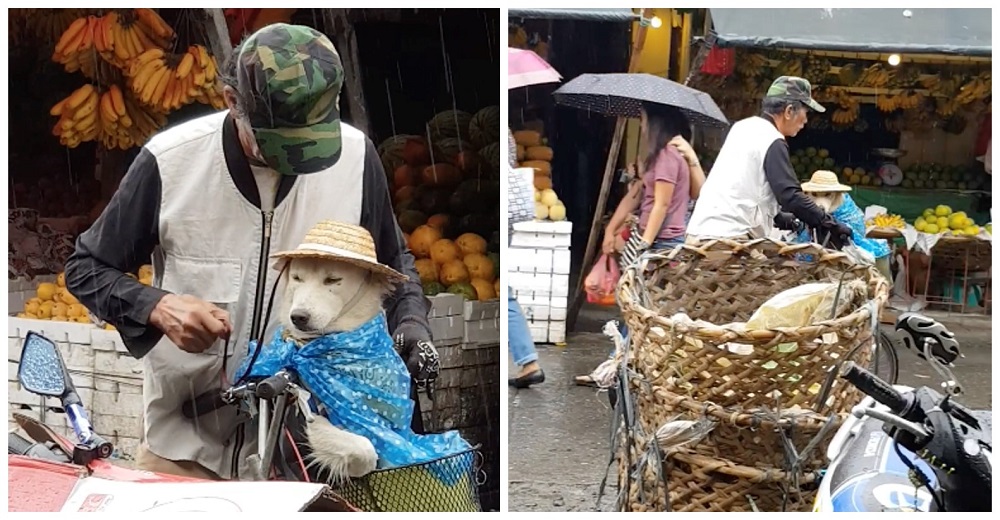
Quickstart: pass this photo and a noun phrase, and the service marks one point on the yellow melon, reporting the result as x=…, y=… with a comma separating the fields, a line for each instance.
x=471, y=243
x=496, y=287
x=538, y=153
x=479, y=266
x=427, y=270
x=484, y=289
x=520, y=153
x=528, y=138
x=557, y=212
x=66, y=297
x=45, y=310
x=109, y=327
x=454, y=272
x=422, y=239
x=61, y=280
x=81, y=319
x=47, y=291
x=60, y=310
x=146, y=271
x=444, y=251
x=31, y=307
x=539, y=166
x=76, y=310
x=542, y=182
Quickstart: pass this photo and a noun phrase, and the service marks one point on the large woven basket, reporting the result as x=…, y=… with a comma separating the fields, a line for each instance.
x=768, y=414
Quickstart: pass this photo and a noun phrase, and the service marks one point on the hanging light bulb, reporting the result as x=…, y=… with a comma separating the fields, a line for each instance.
x=894, y=59
x=656, y=22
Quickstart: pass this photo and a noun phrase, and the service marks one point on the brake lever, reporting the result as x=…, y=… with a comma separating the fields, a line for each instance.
x=950, y=383
x=918, y=431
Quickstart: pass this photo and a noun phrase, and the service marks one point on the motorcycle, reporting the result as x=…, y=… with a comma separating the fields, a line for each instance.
x=906, y=449
x=38, y=456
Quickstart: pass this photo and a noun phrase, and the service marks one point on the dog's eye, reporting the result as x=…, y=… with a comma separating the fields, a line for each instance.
x=296, y=278
x=331, y=281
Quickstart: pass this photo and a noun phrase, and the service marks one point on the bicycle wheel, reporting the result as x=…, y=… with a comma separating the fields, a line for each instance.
x=885, y=361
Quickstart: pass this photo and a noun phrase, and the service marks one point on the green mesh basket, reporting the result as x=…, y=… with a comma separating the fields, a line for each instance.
x=447, y=484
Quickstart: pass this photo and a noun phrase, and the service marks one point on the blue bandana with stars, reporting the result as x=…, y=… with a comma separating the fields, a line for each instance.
x=364, y=386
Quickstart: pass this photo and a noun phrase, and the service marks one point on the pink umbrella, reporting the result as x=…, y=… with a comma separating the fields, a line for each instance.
x=525, y=68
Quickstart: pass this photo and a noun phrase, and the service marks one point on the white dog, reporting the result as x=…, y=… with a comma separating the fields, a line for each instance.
x=325, y=296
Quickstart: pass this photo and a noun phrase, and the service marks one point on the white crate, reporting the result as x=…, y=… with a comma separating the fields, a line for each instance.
x=482, y=323
x=445, y=318
x=539, y=260
x=542, y=234
x=553, y=332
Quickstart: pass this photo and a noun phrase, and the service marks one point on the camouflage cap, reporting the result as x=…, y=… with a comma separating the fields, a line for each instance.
x=295, y=75
x=792, y=88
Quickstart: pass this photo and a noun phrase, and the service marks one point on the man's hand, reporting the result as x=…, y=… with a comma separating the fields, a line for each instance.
x=686, y=150
x=419, y=354
x=788, y=222
x=836, y=234
x=190, y=323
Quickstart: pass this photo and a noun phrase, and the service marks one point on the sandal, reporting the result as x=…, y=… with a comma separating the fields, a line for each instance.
x=586, y=380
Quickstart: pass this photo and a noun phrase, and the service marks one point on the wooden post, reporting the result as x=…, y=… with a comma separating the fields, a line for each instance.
x=609, y=173
x=341, y=29
x=217, y=32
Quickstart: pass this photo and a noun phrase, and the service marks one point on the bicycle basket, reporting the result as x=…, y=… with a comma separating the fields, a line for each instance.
x=447, y=484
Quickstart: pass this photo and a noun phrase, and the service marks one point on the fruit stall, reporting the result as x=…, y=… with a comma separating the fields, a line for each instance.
x=905, y=128
x=96, y=84
x=567, y=149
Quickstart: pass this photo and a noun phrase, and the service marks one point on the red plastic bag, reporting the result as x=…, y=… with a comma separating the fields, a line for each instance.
x=601, y=282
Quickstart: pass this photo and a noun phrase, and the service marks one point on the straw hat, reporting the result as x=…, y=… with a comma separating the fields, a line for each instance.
x=824, y=181
x=343, y=243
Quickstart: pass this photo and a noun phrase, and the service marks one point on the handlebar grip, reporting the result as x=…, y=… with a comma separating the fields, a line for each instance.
x=103, y=447
x=879, y=390
x=273, y=386
x=204, y=403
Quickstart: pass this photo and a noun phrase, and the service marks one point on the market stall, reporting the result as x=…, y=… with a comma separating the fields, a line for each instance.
x=906, y=127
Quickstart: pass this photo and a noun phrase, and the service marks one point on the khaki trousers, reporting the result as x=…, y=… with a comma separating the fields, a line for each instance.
x=149, y=461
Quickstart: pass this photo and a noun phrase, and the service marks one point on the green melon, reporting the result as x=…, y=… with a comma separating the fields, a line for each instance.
x=433, y=288
x=485, y=127
x=465, y=289
x=450, y=123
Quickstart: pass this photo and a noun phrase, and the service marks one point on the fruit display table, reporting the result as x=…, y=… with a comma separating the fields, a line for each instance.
x=910, y=203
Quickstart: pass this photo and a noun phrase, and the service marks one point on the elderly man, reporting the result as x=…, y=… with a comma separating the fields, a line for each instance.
x=210, y=200
x=752, y=181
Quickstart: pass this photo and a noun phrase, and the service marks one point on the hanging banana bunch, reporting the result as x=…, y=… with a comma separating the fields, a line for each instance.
x=170, y=81
x=875, y=76
x=977, y=88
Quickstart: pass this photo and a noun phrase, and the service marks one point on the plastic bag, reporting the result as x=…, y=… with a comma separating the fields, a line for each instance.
x=806, y=304
x=601, y=282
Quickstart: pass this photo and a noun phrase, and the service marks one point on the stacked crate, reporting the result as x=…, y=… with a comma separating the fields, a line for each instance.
x=539, y=276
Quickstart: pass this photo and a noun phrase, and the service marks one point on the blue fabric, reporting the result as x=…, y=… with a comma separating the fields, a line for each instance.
x=522, y=347
x=364, y=387
x=849, y=213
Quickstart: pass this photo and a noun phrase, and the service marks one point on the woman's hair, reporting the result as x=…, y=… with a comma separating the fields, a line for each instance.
x=663, y=123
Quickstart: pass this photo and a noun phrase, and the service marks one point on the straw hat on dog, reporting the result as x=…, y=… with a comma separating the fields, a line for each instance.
x=343, y=243
x=824, y=181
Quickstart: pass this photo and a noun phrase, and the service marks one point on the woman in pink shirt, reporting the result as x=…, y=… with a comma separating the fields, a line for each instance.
x=671, y=177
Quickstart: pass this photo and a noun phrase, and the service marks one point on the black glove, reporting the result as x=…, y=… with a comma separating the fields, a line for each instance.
x=419, y=354
x=836, y=234
x=788, y=222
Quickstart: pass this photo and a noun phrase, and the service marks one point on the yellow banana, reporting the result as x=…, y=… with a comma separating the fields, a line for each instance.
x=117, y=100
x=88, y=107
x=161, y=86
x=108, y=113
x=79, y=96
x=147, y=89
x=184, y=67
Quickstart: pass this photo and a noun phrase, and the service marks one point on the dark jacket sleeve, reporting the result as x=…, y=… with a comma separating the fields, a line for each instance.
x=120, y=241
x=408, y=303
x=781, y=177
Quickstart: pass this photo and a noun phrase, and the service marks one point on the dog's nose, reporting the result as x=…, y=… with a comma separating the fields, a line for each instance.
x=300, y=318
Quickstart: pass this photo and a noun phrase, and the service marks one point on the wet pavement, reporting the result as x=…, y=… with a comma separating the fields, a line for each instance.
x=558, y=440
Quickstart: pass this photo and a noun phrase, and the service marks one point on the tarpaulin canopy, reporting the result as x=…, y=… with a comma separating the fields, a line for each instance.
x=967, y=32
x=591, y=15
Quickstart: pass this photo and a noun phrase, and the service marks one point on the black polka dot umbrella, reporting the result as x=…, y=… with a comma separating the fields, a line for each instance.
x=622, y=95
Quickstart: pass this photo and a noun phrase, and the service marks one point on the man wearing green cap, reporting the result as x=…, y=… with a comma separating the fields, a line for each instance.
x=210, y=200
x=752, y=187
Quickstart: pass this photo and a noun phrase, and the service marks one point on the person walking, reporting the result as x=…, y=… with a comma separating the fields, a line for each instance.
x=520, y=208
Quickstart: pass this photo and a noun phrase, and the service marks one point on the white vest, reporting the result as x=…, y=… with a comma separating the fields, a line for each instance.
x=736, y=199
x=210, y=245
